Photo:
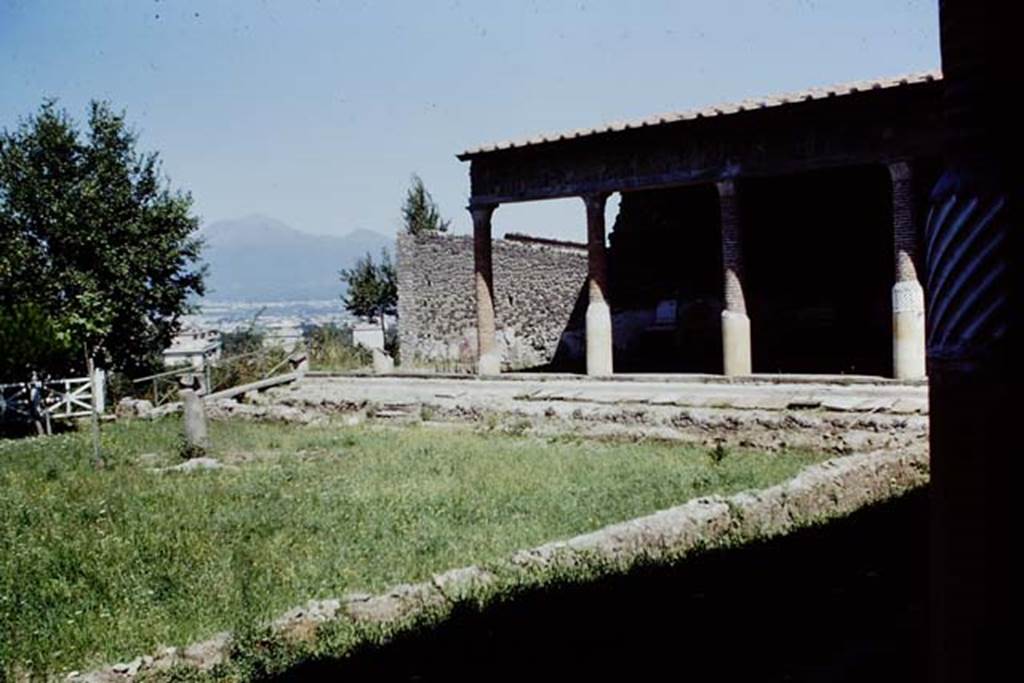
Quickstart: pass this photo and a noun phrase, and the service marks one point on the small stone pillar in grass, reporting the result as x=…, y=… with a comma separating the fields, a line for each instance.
x=197, y=438
x=383, y=364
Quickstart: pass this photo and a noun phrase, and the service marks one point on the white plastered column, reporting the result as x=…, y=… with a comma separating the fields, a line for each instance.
x=908, y=328
x=736, y=354
x=599, y=318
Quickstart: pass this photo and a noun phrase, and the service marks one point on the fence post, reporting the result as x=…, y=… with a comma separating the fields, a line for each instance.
x=99, y=384
x=94, y=396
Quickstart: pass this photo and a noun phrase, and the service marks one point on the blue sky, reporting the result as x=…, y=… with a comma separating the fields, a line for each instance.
x=317, y=113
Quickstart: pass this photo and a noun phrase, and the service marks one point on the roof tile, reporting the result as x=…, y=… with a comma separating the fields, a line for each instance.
x=717, y=110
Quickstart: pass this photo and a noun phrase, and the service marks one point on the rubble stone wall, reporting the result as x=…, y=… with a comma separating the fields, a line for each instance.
x=537, y=284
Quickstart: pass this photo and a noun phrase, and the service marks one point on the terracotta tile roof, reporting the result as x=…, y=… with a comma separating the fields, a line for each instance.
x=716, y=110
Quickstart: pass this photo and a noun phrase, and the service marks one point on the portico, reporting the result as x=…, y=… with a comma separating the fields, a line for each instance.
x=888, y=125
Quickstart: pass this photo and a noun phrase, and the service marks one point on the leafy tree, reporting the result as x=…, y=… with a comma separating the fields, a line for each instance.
x=29, y=341
x=419, y=211
x=372, y=289
x=93, y=240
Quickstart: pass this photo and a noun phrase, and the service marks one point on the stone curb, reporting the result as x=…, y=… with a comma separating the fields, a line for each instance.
x=838, y=380
x=828, y=490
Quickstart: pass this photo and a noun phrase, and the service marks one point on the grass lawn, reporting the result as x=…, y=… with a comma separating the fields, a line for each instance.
x=101, y=565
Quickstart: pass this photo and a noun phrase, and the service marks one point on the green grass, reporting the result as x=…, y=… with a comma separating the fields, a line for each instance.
x=101, y=565
x=331, y=349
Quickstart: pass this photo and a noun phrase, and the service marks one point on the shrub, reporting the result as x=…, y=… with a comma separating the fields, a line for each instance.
x=330, y=347
x=244, y=340
x=232, y=371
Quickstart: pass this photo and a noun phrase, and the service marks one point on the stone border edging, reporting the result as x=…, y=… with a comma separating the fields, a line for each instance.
x=697, y=378
x=828, y=490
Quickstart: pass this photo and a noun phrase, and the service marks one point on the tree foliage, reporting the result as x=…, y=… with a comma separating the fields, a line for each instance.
x=372, y=288
x=30, y=341
x=93, y=241
x=420, y=213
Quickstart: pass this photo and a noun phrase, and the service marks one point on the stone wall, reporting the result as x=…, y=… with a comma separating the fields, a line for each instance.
x=537, y=287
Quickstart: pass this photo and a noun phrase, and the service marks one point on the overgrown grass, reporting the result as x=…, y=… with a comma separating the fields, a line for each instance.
x=331, y=348
x=100, y=565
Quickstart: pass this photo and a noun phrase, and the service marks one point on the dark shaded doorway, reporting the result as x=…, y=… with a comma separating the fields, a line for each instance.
x=819, y=271
x=664, y=263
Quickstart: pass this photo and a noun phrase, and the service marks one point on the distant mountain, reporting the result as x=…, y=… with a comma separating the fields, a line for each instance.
x=257, y=258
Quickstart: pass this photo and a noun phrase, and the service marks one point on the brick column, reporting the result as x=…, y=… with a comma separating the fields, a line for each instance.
x=908, y=329
x=735, y=322
x=599, y=319
x=488, y=357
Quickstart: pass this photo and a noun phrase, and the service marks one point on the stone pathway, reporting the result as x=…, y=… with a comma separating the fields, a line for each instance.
x=771, y=415
x=775, y=394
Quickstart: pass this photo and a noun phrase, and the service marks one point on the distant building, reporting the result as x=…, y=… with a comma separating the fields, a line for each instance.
x=368, y=335
x=193, y=346
x=286, y=334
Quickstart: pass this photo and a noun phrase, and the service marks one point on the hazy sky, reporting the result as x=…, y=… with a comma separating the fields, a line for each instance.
x=317, y=113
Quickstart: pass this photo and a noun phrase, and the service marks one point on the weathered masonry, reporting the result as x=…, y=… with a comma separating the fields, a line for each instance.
x=777, y=235
x=539, y=281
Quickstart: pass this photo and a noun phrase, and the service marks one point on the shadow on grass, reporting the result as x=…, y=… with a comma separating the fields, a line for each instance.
x=24, y=430
x=844, y=602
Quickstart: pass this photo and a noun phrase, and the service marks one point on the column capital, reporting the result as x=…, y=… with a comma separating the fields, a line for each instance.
x=481, y=212
x=900, y=169
x=595, y=200
x=726, y=187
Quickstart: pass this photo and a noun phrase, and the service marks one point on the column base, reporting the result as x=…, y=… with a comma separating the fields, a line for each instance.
x=489, y=364
x=735, y=343
x=599, y=339
x=908, y=331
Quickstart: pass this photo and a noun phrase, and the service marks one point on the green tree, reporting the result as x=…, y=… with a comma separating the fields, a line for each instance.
x=372, y=289
x=93, y=240
x=29, y=341
x=420, y=213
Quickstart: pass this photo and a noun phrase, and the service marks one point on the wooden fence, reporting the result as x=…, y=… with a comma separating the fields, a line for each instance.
x=214, y=378
x=40, y=401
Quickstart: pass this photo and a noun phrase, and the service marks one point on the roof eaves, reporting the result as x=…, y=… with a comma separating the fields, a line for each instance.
x=769, y=101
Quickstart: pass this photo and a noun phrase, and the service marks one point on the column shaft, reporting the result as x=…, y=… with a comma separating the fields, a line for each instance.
x=908, y=326
x=736, y=355
x=599, y=319
x=488, y=358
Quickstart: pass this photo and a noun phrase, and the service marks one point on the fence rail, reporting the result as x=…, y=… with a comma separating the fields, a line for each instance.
x=43, y=400
x=217, y=376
